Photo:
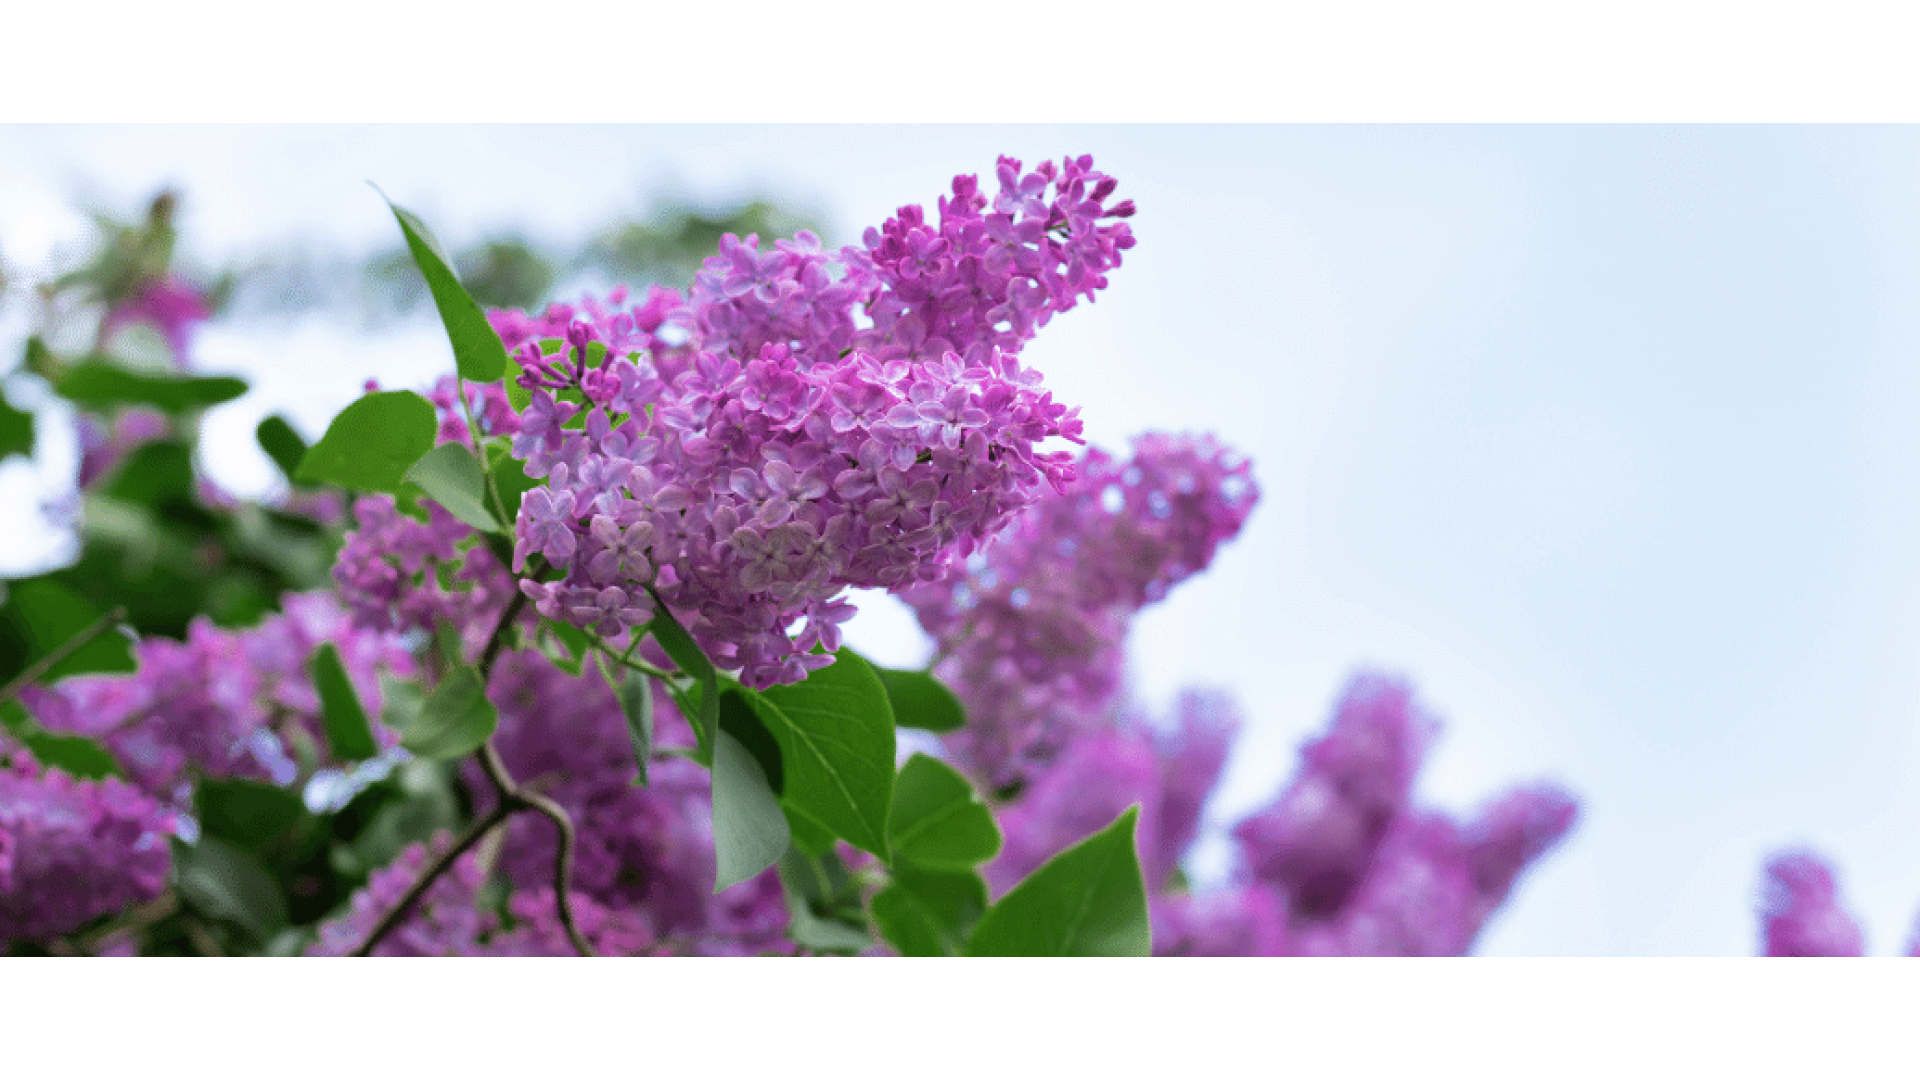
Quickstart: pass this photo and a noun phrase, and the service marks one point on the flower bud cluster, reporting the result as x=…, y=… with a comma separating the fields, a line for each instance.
x=1031, y=635
x=806, y=423
x=222, y=703
x=74, y=850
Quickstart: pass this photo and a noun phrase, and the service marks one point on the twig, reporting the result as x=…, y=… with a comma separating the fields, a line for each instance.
x=429, y=875
x=61, y=652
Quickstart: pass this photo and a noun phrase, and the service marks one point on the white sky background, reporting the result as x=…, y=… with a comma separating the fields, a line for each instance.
x=1605, y=437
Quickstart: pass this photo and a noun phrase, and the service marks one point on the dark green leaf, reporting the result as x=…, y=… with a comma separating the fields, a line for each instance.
x=1089, y=900
x=921, y=701
x=636, y=704
x=930, y=913
x=686, y=654
x=245, y=812
x=283, y=444
x=937, y=820
x=454, y=719
x=226, y=883
x=372, y=443
x=16, y=430
x=48, y=614
x=451, y=476
x=98, y=384
x=836, y=745
x=78, y=757
x=159, y=474
x=510, y=479
x=823, y=903
x=477, y=351
x=739, y=719
x=349, y=735
x=749, y=831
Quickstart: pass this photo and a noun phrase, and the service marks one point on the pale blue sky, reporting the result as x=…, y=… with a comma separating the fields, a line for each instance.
x=1606, y=437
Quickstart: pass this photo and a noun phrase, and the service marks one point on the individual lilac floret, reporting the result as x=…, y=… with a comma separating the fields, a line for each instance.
x=223, y=703
x=1031, y=635
x=1802, y=912
x=1317, y=841
x=805, y=422
x=74, y=850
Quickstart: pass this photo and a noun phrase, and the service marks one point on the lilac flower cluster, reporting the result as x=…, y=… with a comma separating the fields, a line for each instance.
x=1339, y=865
x=1801, y=911
x=74, y=850
x=807, y=422
x=1031, y=634
x=222, y=703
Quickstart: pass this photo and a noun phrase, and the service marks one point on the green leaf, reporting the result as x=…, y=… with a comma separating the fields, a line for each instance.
x=400, y=702
x=372, y=443
x=349, y=735
x=98, y=384
x=247, y=813
x=937, y=820
x=451, y=476
x=823, y=903
x=477, y=350
x=454, y=719
x=1089, y=900
x=155, y=475
x=226, y=883
x=509, y=477
x=921, y=701
x=48, y=614
x=81, y=758
x=686, y=654
x=836, y=745
x=749, y=831
x=929, y=912
x=283, y=444
x=740, y=719
x=809, y=836
x=16, y=430
x=636, y=704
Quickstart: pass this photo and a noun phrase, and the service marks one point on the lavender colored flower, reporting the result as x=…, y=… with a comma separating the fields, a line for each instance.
x=447, y=920
x=791, y=430
x=1250, y=920
x=1031, y=634
x=1190, y=760
x=74, y=850
x=1801, y=910
x=1416, y=899
x=1511, y=835
x=1100, y=775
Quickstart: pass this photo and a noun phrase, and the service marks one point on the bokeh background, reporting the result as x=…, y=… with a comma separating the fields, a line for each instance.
x=1605, y=437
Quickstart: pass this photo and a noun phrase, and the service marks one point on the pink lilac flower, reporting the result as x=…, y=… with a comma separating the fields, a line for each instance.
x=1245, y=921
x=168, y=305
x=73, y=850
x=1801, y=910
x=790, y=430
x=1031, y=634
x=223, y=703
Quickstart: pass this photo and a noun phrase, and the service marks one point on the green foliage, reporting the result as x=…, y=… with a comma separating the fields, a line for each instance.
x=102, y=384
x=1089, y=900
x=749, y=830
x=921, y=701
x=42, y=615
x=372, y=443
x=824, y=904
x=508, y=476
x=477, y=351
x=702, y=705
x=453, y=720
x=349, y=735
x=283, y=444
x=451, y=476
x=937, y=821
x=222, y=881
x=16, y=430
x=835, y=731
x=636, y=704
x=78, y=757
x=506, y=273
x=930, y=912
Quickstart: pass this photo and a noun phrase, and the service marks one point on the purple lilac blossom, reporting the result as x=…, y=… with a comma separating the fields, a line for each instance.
x=1248, y=920
x=223, y=703
x=74, y=850
x=389, y=572
x=1031, y=634
x=1801, y=910
x=805, y=422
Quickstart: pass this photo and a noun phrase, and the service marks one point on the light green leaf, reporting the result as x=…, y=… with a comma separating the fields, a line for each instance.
x=98, y=384
x=938, y=821
x=372, y=443
x=930, y=912
x=835, y=732
x=349, y=735
x=749, y=831
x=1089, y=900
x=450, y=476
x=921, y=701
x=636, y=704
x=477, y=350
x=454, y=720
